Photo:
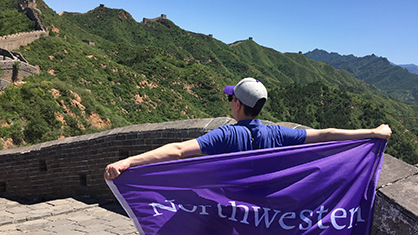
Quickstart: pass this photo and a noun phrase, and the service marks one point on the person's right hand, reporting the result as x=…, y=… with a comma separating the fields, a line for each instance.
x=115, y=169
x=383, y=131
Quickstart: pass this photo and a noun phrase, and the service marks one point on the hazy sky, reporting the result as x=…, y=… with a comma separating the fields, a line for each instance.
x=386, y=28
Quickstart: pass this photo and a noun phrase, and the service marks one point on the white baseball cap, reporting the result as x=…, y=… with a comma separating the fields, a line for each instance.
x=248, y=91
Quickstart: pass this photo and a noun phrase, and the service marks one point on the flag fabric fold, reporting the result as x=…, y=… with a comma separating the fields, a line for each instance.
x=324, y=188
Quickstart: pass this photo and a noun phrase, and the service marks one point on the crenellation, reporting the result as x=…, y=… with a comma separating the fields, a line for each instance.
x=15, y=41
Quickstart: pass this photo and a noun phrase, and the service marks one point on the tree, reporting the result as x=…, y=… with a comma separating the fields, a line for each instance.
x=16, y=68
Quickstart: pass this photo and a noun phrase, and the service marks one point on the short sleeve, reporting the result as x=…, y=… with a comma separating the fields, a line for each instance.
x=211, y=142
x=291, y=136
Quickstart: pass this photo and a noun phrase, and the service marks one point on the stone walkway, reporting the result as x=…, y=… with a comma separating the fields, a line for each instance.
x=64, y=216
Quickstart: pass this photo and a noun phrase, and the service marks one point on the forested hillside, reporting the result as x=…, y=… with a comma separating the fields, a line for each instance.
x=156, y=72
x=378, y=71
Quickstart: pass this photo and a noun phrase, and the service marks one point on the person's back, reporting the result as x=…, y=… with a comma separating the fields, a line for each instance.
x=249, y=135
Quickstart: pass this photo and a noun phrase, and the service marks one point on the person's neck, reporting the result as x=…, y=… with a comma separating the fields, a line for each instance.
x=244, y=117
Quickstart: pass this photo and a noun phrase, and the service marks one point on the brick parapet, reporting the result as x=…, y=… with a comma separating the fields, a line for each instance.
x=74, y=166
x=14, y=41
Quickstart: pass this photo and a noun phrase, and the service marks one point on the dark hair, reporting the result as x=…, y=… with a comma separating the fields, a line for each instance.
x=253, y=112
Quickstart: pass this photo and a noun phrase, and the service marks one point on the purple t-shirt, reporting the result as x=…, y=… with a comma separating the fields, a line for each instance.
x=235, y=138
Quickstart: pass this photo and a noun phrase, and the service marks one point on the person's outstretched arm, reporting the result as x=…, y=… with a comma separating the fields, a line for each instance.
x=331, y=134
x=172, y=151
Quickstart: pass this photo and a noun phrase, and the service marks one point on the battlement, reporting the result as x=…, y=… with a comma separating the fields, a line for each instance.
x=14, y=41
x=74, y=166
x=145, y=20
x=16, y=35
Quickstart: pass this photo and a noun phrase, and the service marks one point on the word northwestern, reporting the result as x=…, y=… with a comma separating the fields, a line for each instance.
x=339, y=218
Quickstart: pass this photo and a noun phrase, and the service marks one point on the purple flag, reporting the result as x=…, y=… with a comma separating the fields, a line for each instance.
x=325, y=188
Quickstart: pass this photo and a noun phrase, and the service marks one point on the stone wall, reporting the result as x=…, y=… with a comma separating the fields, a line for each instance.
x=35, y=14
x=145, y=20
x=396, y=207
x=14, y=41
x=8, y=74
x=24, y=70
x=74, y=166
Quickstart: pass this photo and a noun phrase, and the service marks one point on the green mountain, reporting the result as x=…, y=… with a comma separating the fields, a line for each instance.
x=132, y=72
x=412, y=68
x=378, y=71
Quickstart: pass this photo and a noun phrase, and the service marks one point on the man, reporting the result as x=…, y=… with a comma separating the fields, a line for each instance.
x=247, y=99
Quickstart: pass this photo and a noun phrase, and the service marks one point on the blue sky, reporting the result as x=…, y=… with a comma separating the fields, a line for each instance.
x=385, y=28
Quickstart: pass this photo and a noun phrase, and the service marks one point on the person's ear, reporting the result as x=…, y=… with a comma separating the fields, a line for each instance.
x=239, y=105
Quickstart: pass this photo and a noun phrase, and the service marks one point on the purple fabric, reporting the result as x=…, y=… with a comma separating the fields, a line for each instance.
x=324, y=188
